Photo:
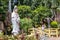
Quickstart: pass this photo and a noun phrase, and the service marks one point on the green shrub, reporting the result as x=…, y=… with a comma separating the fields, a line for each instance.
x=24, y=11
x=54, y=24
x=40, y=13
x=26, y=23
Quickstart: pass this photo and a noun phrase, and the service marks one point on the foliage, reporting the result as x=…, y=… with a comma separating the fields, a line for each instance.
x=43, y=11
x=26, y=23
x=36, y=15
x=54, y=24
x=24, y=11
x=35, y=9
x=3, y=6
x=1, y=34
x=11, y=38
x=40, y=13
x=6, y=37
x=32, y=3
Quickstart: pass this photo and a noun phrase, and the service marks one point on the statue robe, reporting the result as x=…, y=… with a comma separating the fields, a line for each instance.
x=15, y=22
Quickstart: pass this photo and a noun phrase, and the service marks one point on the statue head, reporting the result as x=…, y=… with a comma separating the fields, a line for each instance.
x=15, y=9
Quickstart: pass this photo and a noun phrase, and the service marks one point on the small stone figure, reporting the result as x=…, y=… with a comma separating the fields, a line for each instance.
x=48, y=21
x=43, y=26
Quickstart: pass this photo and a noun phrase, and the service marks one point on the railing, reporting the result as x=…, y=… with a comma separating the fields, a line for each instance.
x=52, y=32
x=49, y=31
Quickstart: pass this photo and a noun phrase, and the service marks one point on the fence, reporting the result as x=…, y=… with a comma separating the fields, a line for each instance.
x=52, y=32
x=49, y=31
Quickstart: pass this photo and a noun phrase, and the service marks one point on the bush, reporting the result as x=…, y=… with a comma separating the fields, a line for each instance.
x=26, y=23
x=24, y=11
x=40, y=13
x=54, y=24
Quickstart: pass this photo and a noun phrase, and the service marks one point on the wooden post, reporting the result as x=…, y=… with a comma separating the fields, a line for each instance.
x=49, y=32
x=57, y=32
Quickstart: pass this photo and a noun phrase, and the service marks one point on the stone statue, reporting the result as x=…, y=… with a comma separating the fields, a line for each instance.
x=15, y=21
